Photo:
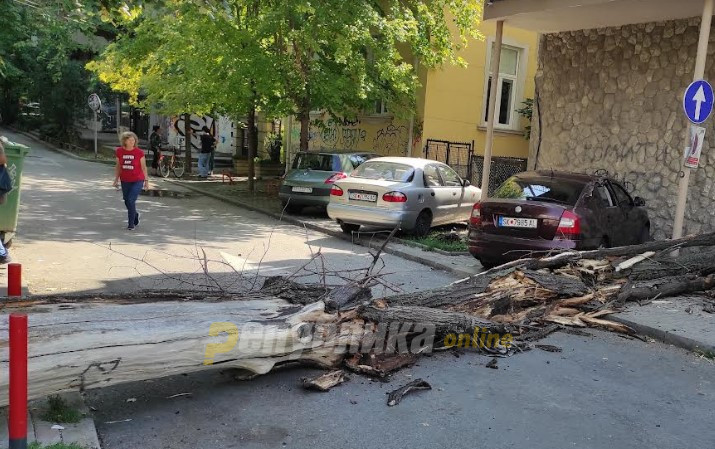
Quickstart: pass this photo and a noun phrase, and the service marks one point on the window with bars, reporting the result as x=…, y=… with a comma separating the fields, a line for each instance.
x=510, y=80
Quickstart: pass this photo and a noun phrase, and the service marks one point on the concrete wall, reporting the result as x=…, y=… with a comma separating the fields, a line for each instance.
x=611, y=99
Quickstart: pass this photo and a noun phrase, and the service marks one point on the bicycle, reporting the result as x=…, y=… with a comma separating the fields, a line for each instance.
x=170, y=163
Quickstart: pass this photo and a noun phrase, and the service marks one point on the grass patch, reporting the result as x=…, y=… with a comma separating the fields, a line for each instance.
x=59, y=412
x=440, y=240
x=37, y=445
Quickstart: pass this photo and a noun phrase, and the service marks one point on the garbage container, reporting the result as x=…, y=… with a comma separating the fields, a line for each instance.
x=10, y=209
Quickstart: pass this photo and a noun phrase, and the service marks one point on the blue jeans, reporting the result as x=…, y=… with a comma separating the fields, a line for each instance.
x=3, y=251
x=130, y=192
x=204, y=164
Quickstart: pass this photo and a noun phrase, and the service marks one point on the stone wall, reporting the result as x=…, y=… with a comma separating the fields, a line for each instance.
x=612, y=99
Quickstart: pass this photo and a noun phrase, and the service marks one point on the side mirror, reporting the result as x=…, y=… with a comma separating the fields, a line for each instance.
x=466, y=183
x=638, y=201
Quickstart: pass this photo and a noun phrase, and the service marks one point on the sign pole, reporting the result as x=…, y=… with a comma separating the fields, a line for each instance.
x=699, y=74
x=95, y=134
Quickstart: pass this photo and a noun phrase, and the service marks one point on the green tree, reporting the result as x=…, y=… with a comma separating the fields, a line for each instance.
x=42, y=52
x=283, y=56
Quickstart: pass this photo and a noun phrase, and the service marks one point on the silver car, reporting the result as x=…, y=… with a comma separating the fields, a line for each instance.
x=414, y=194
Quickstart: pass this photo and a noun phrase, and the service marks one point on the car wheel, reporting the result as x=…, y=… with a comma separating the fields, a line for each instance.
x=423, y=224
x=349, y=228
x=645, y=235
x=292, y=209
x=604, y=244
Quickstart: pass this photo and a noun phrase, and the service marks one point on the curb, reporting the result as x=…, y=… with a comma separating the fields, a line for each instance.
x=56, y=149
x=434, y=250
x=164, y=193
x=665, y=336
x=338, y=234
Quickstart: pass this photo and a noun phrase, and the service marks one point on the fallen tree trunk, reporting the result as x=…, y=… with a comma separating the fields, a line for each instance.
x=89, y=345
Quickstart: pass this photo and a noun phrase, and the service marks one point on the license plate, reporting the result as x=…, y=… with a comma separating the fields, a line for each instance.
x=363, y=197
x=510, y=222
x=303, y=189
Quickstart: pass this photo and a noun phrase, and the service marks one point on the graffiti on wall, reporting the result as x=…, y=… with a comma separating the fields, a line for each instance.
x=391, y=140
x=338, y=134
x=222, y=128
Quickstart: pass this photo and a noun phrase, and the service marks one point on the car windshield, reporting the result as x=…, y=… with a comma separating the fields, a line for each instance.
x=317, y=161
x=386, y=171
x=553, y=190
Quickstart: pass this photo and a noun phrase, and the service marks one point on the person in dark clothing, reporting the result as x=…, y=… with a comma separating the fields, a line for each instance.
x=154, y=147
x=208, y=142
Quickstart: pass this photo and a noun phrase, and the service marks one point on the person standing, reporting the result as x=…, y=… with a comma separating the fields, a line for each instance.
x=4, y=254
x=207, y=144
x=154, y=147
x=131, y=171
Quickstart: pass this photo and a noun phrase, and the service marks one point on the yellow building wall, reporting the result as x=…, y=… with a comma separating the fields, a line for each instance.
x=383, y=135
x=455, y=96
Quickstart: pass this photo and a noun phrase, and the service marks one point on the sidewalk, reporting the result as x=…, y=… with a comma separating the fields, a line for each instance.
x=265, y=200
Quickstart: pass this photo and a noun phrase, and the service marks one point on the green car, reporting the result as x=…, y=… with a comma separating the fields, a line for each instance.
x=312, y=175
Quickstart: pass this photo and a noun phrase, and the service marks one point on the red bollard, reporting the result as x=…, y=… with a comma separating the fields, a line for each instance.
x=17, y=420
x=14, y=279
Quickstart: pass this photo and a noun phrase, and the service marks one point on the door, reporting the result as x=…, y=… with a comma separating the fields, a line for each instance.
x=629, y=225
x=436, y=190
x=608, y=213
x=453, y=183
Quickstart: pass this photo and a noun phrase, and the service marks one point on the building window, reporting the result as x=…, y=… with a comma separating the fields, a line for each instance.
x=380, y=108
x=509, y=89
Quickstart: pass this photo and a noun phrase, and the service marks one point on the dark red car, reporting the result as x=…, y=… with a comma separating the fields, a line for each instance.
x=537, y=212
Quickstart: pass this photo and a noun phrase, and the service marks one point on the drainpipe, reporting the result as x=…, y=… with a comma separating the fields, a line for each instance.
x=496, y=59
x=698, y=75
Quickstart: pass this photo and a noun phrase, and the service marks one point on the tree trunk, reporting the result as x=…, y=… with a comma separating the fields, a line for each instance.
x=304, y=117
x=187, y=142
x=252, y=148
x=100, y=343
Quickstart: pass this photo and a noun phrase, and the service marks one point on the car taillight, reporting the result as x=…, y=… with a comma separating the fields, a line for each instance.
x=476, y=218
x=336, y=191
x=569, y=226
x=335, y=177
x=394, y=197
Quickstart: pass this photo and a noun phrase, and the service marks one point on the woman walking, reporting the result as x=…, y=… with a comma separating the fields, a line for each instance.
x=131, y=171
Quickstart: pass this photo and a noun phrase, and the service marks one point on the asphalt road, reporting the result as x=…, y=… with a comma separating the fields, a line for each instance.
x=601, y=392
x=72, y=238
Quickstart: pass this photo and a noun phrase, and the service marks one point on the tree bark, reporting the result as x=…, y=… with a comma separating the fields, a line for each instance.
x=304, y=117
x=187, y=142
x=252, y=148
x=96, y=344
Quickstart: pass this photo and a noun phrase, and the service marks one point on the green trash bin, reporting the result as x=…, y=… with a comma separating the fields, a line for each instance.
x=10, y=209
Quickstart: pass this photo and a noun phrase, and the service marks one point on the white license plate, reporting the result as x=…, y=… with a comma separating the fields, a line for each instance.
x=510, y=222
x=303, y=189
x=363, y=197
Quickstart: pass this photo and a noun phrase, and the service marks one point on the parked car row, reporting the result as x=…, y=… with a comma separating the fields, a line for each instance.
x=531, y=213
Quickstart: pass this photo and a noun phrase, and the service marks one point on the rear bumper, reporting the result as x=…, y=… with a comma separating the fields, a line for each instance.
x=319, y=196
x=502, y=248
x=371, y=216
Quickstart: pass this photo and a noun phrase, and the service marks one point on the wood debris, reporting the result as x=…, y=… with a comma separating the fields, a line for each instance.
x=326, y=381
x=394, y=397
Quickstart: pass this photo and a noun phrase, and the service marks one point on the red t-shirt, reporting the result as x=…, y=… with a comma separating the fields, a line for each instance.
x=130, y=164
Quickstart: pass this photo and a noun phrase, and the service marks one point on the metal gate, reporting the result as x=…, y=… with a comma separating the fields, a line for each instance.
x=502, y=169
x=457, y=155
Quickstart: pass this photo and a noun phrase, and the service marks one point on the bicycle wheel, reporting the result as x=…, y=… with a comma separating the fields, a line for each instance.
x=178, y=168
x=164, y=167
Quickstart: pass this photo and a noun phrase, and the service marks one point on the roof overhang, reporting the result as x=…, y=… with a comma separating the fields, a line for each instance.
x=551, y=16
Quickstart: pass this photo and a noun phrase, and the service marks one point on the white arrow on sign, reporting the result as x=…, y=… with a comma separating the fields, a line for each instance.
x=699, y=99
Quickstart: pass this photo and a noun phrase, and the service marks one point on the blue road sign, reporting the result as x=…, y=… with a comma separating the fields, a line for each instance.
x=698, y=101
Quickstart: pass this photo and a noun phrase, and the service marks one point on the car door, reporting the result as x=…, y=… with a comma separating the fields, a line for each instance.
x=453, y=183
x=607, y=214
x=629, y=225
x=441, y=196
